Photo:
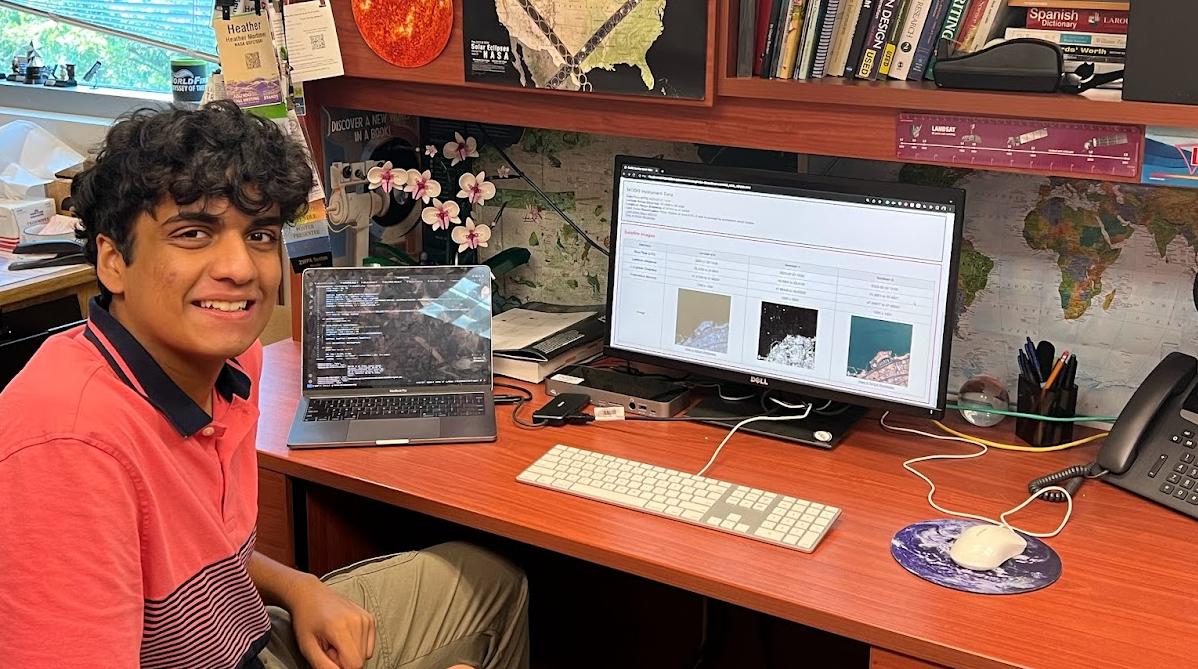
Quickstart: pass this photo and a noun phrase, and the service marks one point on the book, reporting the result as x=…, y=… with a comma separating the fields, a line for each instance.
x=846, y=24
x=957, y=10
x=773, y=39
x=994, y=20
x=790, y=38
x=1113, y=5
x=864, y=17
x=535, y=371
x=762, y=26
x=927, y=40
x=969, y=25
x=808, y=42
x=875, y=39
x=908, y=38
x=1077, y=20
x=1063, y=37
x=900, y=14
x=746, y=29
x=827, y=25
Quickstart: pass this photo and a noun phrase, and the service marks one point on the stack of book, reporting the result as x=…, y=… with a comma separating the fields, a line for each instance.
x=896, y=39
x=1087, y=31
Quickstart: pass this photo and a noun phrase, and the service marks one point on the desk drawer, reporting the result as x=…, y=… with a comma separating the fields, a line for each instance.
x=275, y=538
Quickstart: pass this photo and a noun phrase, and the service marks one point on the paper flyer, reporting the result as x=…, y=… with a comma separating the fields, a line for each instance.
x=313, y=50
x=1170, y=157
x=247, y=59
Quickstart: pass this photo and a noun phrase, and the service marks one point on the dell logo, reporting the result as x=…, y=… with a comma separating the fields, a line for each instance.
x=759, y=381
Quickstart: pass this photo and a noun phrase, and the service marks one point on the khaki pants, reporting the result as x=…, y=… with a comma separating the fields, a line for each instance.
x=446, y=605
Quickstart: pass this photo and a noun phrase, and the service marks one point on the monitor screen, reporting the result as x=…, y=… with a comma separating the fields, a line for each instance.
x=830, y=288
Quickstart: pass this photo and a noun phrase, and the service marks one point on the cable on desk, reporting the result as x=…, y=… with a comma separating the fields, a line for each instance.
x=751, y=419
x=519, y=401
x=1033, y=416
x=1018, y=447
x=1070, y=478
x=1002, y=518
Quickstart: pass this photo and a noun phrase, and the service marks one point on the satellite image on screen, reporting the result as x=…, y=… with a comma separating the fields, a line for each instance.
x=398, y=327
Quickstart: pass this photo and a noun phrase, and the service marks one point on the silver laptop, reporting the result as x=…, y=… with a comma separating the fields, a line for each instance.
x=395, y=355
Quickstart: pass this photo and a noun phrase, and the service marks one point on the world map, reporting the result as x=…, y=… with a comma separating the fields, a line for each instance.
x=1102, y=269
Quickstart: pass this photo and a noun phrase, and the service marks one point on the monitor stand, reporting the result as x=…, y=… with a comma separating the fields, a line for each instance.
x=718, y=411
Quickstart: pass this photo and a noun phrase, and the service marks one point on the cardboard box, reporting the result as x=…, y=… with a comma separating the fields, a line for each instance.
x=17, y=215
x=59, y=190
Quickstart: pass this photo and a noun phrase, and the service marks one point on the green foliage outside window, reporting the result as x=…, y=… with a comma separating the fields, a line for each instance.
x=127, y=64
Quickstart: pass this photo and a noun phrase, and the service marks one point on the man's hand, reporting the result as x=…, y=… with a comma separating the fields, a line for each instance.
x=331, y=631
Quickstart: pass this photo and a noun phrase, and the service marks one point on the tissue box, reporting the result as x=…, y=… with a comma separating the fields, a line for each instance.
x=17, y=215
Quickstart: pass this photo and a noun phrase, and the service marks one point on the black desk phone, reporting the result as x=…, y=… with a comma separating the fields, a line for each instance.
x=1151, y=448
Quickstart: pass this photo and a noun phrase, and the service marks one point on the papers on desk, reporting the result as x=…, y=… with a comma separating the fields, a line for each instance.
x=530, y=345
x=516, y=329
x=7, y=276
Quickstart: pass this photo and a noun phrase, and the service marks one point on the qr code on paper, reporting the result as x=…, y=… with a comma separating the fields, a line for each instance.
x=253, y=60
x=317, y=41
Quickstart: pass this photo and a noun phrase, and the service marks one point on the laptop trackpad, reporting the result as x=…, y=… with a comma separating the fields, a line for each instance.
x=409, y=428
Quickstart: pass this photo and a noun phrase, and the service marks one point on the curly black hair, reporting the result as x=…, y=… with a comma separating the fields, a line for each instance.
x=188, y=155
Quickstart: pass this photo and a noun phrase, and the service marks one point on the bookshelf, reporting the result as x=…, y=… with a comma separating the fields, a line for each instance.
x=833, y=116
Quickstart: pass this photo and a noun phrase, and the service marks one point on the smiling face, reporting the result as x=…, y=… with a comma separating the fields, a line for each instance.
x=201, y=283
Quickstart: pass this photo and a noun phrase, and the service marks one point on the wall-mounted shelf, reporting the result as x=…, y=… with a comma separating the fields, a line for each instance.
x=832, y=116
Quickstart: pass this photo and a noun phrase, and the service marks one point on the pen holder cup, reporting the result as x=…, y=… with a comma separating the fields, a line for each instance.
x=1058, y=403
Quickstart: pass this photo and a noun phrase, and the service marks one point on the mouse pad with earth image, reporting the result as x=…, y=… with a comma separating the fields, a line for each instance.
x=923, y=550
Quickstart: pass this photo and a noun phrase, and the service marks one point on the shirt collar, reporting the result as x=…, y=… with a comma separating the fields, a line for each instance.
x=138, y=369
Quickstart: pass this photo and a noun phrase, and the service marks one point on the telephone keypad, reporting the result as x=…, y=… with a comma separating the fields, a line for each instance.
x=1167, y=488
x=1175, y=439
x=1193, y=472
x=1181, y=493
x=1189, y=443
x=1180, y=468
x=1193, y=498
x=1174, y=478
x=1188, y=484
x=1187, y=458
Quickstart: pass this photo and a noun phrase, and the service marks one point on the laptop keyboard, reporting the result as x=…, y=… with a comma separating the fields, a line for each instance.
x=396, y=406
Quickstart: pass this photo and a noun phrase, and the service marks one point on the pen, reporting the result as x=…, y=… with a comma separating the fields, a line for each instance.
x=1070, y=378
x=1033, y=363
x=1024, y=371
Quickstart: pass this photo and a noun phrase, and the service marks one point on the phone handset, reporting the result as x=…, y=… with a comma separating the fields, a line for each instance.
x=1171, y=376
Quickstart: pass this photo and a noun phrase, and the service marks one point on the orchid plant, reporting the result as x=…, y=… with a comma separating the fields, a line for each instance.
x=443, y=213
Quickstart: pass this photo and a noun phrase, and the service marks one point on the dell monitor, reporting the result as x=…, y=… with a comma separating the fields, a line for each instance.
x=837, y=290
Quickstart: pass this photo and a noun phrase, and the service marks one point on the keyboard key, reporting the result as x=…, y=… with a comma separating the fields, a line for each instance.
x=684, y=497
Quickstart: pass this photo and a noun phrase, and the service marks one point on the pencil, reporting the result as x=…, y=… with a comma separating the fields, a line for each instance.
x=1056, y=370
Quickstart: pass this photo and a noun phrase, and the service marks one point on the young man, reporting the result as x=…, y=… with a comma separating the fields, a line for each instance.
x=128, y=475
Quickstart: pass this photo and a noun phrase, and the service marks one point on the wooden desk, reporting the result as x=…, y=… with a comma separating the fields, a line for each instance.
x=1123, y=600
x=78, y=280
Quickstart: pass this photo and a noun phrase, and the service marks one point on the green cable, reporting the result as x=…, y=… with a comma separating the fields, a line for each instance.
x=1053, y=419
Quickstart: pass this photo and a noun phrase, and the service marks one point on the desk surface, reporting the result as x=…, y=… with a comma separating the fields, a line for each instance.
x=59, y=279
x=1123, y=599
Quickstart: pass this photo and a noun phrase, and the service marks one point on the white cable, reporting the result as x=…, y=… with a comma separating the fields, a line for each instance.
x=798, y=416
x=967, y=456
x=788, y=405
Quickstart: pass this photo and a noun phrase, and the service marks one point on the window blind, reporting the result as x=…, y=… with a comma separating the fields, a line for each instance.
x=187, y=23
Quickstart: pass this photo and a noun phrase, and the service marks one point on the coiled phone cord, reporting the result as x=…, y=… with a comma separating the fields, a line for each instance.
x=1069, y=478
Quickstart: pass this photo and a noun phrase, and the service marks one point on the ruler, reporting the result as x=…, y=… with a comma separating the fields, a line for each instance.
x=1062, y=147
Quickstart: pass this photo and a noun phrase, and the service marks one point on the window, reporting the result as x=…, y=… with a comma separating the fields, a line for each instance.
x=126, y=63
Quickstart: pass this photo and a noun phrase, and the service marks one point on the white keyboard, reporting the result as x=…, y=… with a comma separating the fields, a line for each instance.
x=749, y=512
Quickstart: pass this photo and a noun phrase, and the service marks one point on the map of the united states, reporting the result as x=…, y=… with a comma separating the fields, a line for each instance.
x=559, y=41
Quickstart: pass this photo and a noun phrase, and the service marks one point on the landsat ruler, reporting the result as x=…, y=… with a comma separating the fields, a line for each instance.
x=1090, y=149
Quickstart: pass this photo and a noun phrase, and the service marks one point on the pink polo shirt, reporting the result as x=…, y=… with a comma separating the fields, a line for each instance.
x=127, y=514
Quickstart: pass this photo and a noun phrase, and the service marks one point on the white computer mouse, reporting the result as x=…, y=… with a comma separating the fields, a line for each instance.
x=984, y=547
